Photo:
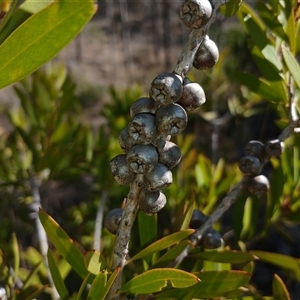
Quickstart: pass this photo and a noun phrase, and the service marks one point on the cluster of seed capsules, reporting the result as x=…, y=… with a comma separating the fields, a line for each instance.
x=148, y=151
x=256, y=155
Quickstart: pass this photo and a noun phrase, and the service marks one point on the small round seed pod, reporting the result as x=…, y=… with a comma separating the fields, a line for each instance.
x=169, y=155
x=143, y=105
x=142, y=128
x=274, y=147
x=192, y=96
x=141, y=159
x=255, y=148
x=195, y=13
x=171, y=119
x=166, y=88
x=207, y=55
x=126, y=141
x=112, y=220
x=249, y=165
x=259, y=185
x=120, y=170
x=151, y=202
x=158, y=178
x=212, y=239
x=198, y=218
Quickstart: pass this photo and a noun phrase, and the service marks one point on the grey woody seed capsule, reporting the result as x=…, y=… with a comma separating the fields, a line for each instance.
x=151, y=202
x=141, y=159
x=274, y=147
x=192, y=96
x=112, y=220
x=169, y=155
x=195, y=13
x=143, y=105
x=212, y=239
x=171, y=119
x=166, y=88
x=120, y=170
x=142, y=128
x=255, y=148
x=126, y=141
x=158, y=178
x=259, y=185
x=207, y=55
x=249, y=165
x=198, y=218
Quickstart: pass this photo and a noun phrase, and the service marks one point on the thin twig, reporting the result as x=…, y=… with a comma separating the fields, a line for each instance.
x=98, y=222
x=123, y=235
x=42, y=236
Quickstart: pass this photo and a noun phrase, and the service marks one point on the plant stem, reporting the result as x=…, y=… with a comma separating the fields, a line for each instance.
x=123, y=235
x=42, y=237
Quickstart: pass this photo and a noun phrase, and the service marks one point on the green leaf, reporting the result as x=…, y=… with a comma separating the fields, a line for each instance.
x=83, y=286
x=230, y=8
x=41, y=37
x=171, y=254
x=164, y=243
x=292, y=64
x=226, y=256
x=212, y=284
x=16, y=254
x=154, y=280
x=97, y=287
x=283, y=261
x=94, y=261
x=279, y=289
x=3, y=20
x=258, y=35
x=63, y=244
x=56, y=276
x=257, y=86
x=31, y=292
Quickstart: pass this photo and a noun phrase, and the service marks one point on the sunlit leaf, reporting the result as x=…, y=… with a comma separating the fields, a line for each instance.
x=63, y=243
x=279, y=289
x=292, y=64
x=53, y=27
x=154, y=280
x=212, y=284
x=94, y=261
x=164, y=243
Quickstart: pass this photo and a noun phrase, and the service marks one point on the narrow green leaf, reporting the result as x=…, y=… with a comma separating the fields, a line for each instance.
x=257, y=86
x=279, y=289
x=283, y=261
x=292, y=64
x=230, y=8
x=154, y=280
x=56, y=276
x=260, y=39
x=101, y=295
x=16, y=252
x=188, y=214
x=291, y=28
x=5, y=18
x=171, y=254
x=97, y=287
x=226, y=256
x=94, y=261
x=212, y=284
x=63, y=243
x=54, y=27
x=83, y=286
x=164, y=243
x=31, y=292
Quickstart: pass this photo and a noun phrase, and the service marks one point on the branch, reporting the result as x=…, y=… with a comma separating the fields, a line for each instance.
x=123, y=235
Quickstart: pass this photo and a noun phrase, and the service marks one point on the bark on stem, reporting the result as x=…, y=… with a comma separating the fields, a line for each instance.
x=123, y=235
